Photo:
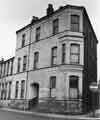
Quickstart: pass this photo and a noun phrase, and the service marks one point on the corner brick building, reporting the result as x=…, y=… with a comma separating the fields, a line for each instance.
x=55, y=57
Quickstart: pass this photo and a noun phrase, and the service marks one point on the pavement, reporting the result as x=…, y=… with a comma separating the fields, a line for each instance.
x=49, y=115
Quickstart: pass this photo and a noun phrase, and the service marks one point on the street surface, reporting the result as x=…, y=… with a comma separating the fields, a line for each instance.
x=8, y=115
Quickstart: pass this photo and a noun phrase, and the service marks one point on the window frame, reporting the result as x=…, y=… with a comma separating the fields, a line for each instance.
x=11, y=72
x=16, y=90
x=9, y=93
x=24, y=62
x=52, y=84
x=53, y=56
x=36, y=60
x=63, y=53
x=18, y=64
x=38, y=32
x=76, y=78
x=75, y=23
x=75, y=54
x=22, y=89
x=55, y=26
x=23, y=40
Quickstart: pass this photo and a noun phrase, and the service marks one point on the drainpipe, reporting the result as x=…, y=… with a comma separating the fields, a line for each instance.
x=28, y=56
x=64, y=91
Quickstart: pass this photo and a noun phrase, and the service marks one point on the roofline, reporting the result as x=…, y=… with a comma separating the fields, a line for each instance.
x=45, y=17
x=85, y=12
x=9, y=59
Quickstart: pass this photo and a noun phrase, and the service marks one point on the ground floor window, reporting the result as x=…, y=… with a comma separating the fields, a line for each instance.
x=22, y=88
x=73, y=86
x=9, y=90
x=5, y=91
x=2, y=91
x=52, y=84
x=16, y=91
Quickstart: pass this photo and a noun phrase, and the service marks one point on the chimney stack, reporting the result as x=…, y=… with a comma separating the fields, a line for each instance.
x=50, y=9
x=34, y=19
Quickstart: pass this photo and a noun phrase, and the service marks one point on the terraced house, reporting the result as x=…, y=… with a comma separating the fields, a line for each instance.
x=55, y=58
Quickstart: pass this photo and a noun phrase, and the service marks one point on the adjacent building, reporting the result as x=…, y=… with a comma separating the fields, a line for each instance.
x=55, y=57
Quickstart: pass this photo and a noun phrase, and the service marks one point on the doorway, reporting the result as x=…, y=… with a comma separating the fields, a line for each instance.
x=36, y=90
x=35, y=95
x=73, y=87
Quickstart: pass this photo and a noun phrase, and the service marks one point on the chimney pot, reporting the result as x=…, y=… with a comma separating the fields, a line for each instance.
x=50, y=9
x=34, y=19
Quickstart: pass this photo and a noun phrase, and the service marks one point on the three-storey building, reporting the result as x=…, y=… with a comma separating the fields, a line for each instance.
x=56, y=56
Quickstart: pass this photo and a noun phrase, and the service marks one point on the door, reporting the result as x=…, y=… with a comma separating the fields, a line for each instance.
x=73, y=87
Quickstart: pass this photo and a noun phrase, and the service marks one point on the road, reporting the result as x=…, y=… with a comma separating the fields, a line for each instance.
x=8, y=115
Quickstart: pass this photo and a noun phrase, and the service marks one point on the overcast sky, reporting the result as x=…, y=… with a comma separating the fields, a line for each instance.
x=15, y=14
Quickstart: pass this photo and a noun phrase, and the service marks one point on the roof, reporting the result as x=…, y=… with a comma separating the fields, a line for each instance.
x=59, y=10
x=46, y=17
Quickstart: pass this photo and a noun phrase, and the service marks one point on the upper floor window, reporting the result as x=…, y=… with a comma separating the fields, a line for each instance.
x=75, y=22
x=54, y=56
x=23, y=40
x=4, y=70
x=22, y=88
x=63, y=53
x=38, y=33
x=36, y=59
x=75, y=53
x=8, y=67
x=55, y=26
x=24, y=63
x=11, y=67
x=19, y=63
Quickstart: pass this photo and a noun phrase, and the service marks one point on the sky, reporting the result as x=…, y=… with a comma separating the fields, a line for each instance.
x=14, y=14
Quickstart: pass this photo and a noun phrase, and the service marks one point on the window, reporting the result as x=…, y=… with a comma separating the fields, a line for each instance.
x=63, y=53
x=53, y=82
x=9, y=93
x=0, y=70
x=5, y=91
x=73, y=85
x=2, y=91
x=24, y=63
x=54, y=56
x=38, y=34
x=75, y=23
x=55, y=26
x=22, y=88
x=16, y=92
x=11, y=67
x=7, y=67
x=23, y=40
x=4, y=70
x=19, y=62
x=75, y=54
x=52, y=85
x=36, y=59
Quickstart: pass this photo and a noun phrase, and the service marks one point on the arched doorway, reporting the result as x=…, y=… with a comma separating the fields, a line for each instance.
x=36, y=90
x=34, y=95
